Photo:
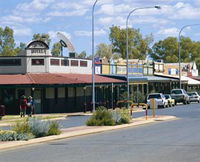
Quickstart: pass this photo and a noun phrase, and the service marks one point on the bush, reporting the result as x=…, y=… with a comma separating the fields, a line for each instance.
x=54, y=128
x=38, y=127
x=102, y=117
x=125, y=116
x=22, y=127
x=121, y=116
x=8, y=135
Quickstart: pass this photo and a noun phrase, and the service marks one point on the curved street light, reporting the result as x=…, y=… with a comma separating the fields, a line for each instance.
x=179, y=49
x=93, y=61
x=127, y=51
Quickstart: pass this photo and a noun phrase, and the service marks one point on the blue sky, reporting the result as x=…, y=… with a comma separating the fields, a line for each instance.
x=73, y=17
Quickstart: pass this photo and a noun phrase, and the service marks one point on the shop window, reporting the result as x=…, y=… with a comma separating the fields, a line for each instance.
x=83, y=63
x=65, y=62
x=74, y=62
x=10, y=62
x=37, y=61
x=55, y=62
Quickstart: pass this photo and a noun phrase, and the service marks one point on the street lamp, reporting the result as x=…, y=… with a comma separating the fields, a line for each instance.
x=179, y=49
x=127, y=52
x=93, y=61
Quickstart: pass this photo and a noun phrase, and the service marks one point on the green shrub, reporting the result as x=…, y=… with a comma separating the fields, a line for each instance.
x=125, y=116
x=54, y=128
x=121, y=116
x=22, y=127
x=8, y=135
x=101, y=117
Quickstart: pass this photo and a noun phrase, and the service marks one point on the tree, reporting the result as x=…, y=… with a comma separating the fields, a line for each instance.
x=166, y=50
x=104, y=50
x=82, y=55
x=137, y=45
x=7, y=42
x=56, y=49
x=20, y=49
x=43, y=37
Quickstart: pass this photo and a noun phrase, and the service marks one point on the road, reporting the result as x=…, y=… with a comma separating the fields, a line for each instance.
x=172, y=141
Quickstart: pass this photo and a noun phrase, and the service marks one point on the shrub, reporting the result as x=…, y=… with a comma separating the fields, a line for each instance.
x=54, y=128
x=22, y=127
x=8, y=135
x=125, y=116
x=121, y=116
x=38, y=127
x=101, y=117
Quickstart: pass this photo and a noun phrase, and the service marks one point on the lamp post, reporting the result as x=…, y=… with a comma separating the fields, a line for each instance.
x=127, y=51
x=93, y=61
x=179, y=49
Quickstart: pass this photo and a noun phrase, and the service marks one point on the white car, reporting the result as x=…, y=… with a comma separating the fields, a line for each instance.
x=161, y=101
x=194, y=97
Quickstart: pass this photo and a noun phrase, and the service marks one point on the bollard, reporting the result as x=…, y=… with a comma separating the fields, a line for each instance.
x=146, y=112
x=153, y=105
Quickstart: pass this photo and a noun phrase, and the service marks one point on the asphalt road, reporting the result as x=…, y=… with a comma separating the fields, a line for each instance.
x=172, y=141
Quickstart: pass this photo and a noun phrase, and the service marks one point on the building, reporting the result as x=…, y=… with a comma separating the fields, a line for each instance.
x=144, y=75
x=57, y=84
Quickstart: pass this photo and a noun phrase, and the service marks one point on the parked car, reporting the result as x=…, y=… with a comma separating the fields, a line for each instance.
x=171, y=101
x=194, y=97
x=160, y=99
x=180, y=95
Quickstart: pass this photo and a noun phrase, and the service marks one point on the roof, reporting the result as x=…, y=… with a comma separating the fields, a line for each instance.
x=195, y=77
x=151, y=78
x=190, y=80
x=52, y=78
x=139, y=78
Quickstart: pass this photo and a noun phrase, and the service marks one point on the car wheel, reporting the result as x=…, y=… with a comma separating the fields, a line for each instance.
x=175, y=103
x=185, y=102
x=188, y=102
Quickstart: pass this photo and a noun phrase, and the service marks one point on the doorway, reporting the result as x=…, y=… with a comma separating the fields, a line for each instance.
x=37, y=100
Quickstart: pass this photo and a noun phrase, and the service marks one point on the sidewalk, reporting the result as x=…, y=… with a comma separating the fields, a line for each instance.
x=83, y=130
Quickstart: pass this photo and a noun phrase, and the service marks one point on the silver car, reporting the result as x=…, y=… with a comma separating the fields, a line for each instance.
x=194, y=97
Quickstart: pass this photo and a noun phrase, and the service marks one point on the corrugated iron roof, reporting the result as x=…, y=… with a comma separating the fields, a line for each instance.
x=54, y=78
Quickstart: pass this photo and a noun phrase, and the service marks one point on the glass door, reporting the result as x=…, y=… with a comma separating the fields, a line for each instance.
x=37, y=101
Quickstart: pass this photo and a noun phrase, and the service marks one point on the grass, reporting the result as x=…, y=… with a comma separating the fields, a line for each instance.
x=16, y=118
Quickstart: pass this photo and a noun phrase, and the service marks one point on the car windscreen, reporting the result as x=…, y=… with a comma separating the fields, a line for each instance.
x=192, y=94
x=176, y=92
x=154, y=96
x=167, y=96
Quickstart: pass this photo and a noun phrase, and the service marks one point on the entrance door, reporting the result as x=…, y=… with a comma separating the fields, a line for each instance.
x=37, y=101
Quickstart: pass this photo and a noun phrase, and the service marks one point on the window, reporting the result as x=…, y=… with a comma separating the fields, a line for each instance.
x=83, y=63
x=74, y=62
x=37, y=61
x=10, y=62
x=65, y=62
x=55, y=62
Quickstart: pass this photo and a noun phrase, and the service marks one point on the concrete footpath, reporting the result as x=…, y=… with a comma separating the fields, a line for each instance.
x=83, y=130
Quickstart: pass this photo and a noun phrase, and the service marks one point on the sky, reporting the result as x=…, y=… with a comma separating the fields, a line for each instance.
x=73, y=17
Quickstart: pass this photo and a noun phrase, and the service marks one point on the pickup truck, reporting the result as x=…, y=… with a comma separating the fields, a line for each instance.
x=180, y=95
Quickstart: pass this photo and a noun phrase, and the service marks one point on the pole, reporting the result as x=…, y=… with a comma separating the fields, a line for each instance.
x=179, y=50
x=127, y=50
x=93, y=61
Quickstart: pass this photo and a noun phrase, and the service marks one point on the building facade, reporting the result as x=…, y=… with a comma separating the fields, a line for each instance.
x=57, y=84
